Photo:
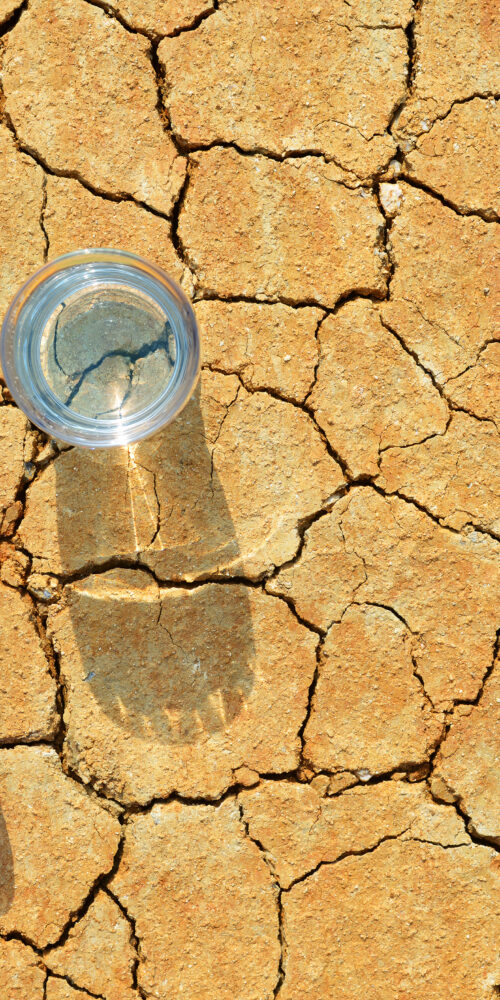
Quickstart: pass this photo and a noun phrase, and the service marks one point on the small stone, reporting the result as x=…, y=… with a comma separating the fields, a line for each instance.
x=29, y=472
x=320, y=784
x=28, y=692
x=440, y=790
x=110, y=96
x=369, y=393
x=340, y=781
x=246, y=777
x=13, y=427
x=5, y=392
x=299, y=829
x=369, y=713
x=30, y=446
x=451, y=157
x=10, y=518
x=467, y=760
x=76, y=218
x=442, y=263
x=292, y=230
x=364, y=774
x=454, y=475
x=199, y=682
x=391, y=196
x=478, y=388
x=21, y=974
x=42, y=587
x=445, y=586
x=348, y=76
x=406, y=918
x=21, y=199
x=252, y=341
x=49, y=451
x=203, y=901
x=14, y=566
x=57, y=842
x=419, y=773
x=305, y=774
x=98, y=953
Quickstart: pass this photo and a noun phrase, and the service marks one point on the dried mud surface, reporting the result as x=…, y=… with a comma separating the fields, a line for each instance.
x=250, y=707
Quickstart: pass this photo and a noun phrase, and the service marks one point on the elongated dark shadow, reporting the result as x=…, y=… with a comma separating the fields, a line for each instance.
x=6, y=869
x=168, y=664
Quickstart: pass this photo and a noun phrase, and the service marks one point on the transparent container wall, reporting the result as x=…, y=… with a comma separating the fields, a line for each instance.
x=100, y=348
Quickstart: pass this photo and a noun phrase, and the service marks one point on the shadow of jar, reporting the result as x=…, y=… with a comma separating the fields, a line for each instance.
x=6, y=869
x=168, y=663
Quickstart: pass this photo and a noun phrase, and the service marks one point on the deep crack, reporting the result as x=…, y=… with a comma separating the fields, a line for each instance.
x=99, y=883
x=10, y=22
x=486, y=215
x=134, y=938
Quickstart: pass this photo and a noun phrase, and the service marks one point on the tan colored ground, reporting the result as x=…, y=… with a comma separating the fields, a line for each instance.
x=250, y=697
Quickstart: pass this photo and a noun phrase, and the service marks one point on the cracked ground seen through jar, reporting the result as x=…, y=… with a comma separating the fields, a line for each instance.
x=107, y=352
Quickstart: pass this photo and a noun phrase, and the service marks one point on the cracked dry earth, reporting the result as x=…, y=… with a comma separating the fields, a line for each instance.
x=250, y=696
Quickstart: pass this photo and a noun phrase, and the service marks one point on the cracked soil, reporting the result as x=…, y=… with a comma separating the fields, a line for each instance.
x=250, y=707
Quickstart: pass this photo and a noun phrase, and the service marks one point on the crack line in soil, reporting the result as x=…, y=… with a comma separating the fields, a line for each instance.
x=488, y=216
x=150, y=33
x=42, y=219
x=134, y=938
x=281, y=972
x=52, y=171
x=71, y=982
x=99, y=883
x=343, y=856
x=480, y=95
x=11, y=21
x=452, y=406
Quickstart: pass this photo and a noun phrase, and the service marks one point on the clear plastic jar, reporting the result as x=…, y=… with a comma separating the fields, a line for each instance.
x=100, y=348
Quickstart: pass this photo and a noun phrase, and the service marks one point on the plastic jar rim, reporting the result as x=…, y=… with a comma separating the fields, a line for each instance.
x=100, y=433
